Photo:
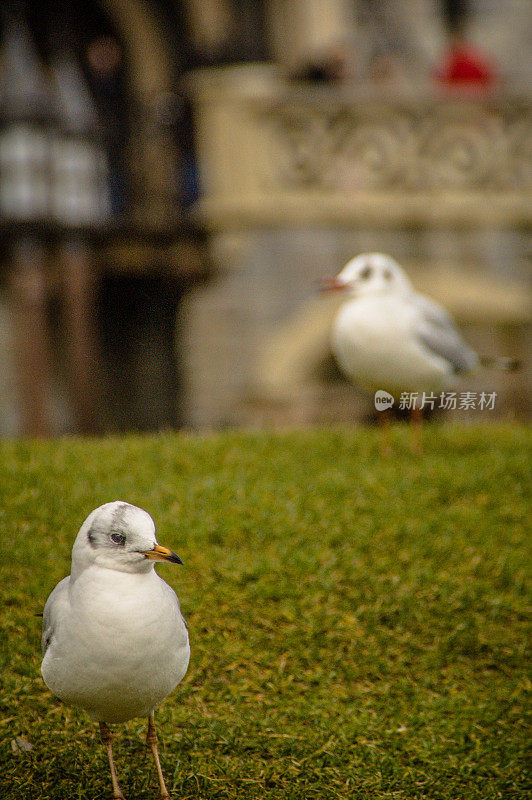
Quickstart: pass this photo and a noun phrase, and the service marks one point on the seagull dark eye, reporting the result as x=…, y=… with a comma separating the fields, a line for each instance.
x=118, y=538
x=365, y=273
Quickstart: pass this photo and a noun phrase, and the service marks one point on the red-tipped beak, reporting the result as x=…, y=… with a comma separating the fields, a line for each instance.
x=331, y=285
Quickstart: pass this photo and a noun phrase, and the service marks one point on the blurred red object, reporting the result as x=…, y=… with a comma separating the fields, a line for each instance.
x=463, y=66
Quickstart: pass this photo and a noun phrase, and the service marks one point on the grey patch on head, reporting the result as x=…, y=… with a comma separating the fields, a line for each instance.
x=117, y=524
x=117, y=521
x=91, y=537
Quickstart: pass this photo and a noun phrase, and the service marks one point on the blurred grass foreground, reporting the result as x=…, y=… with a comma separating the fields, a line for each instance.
x=357, y=622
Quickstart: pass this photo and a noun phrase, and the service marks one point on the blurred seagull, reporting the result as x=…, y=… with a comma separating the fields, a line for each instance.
x=114, y=640
x=387, y=336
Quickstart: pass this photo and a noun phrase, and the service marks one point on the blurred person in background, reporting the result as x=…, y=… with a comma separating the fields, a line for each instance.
x=463, y=65
x=106, y=75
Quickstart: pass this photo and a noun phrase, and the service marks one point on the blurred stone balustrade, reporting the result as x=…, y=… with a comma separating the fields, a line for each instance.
x=400, y=145
x=271, y=152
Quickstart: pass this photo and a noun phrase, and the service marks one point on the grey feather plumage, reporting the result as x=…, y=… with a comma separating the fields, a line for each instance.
x=437, y=332
x=54, y=603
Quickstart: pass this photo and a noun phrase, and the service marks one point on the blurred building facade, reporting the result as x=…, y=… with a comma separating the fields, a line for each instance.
x=195, y=166
x=97, y=246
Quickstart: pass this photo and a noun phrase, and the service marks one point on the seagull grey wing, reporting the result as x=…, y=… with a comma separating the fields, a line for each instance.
x=437, y=332
x=54, y=607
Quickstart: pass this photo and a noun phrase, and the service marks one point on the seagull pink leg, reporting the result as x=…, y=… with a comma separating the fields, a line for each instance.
x=151, y=741
x=105, y=733
x=417, y=428
x=384, y=418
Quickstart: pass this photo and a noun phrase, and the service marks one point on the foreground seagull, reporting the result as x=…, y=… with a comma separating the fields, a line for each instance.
x=114, y=640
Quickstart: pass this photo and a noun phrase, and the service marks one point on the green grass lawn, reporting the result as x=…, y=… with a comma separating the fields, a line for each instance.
x=358, y=623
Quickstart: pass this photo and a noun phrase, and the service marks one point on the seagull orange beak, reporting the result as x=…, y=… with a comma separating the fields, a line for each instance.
x=333, y=284
x=160, y=553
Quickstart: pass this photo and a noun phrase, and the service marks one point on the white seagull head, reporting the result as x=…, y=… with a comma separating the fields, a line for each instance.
x=370, y=274
x=119, y=536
